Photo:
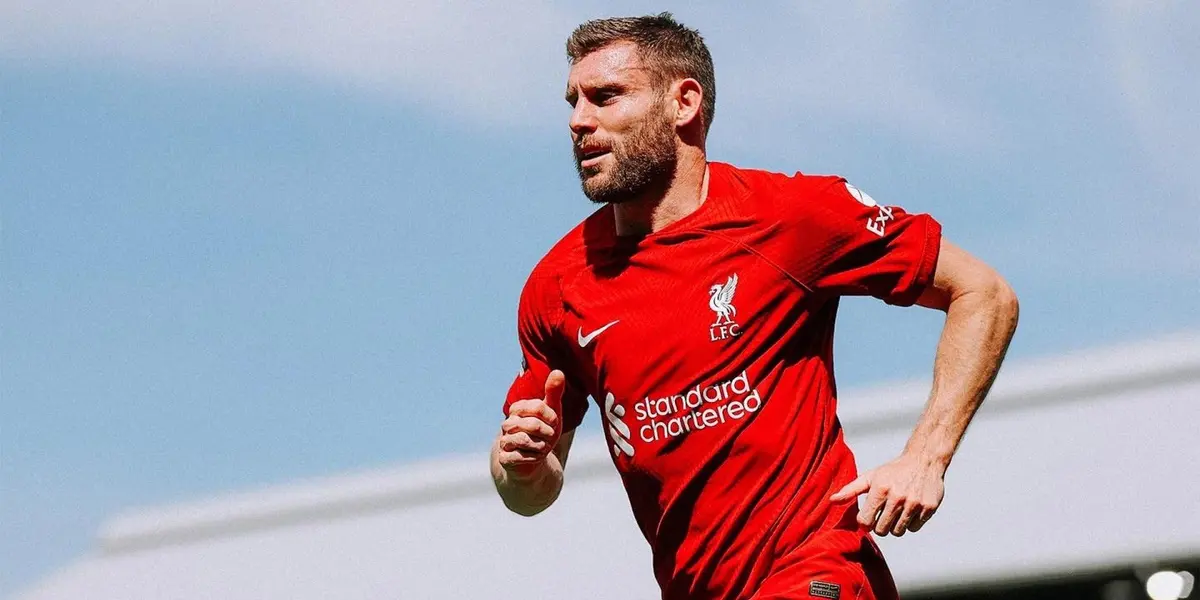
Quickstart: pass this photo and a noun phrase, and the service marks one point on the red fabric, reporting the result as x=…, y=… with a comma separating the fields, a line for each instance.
x=714, y=376
x=843, y=556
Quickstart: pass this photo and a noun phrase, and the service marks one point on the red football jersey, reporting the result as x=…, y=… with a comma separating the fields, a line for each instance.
x=707, y=347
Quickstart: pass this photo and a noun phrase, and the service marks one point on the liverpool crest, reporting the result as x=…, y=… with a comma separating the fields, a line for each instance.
x=720, y=300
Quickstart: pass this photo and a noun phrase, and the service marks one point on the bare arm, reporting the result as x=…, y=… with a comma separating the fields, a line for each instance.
x=981, y=317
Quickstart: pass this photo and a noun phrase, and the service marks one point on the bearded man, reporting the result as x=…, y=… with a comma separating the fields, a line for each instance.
x=696, y=307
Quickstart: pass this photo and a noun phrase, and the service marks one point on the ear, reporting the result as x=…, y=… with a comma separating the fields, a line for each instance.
x=687, y=96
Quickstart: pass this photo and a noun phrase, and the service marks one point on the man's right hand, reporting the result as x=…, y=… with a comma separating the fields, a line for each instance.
x=531, y=430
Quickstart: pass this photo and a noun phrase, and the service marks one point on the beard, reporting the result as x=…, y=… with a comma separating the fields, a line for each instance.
x=643, y=159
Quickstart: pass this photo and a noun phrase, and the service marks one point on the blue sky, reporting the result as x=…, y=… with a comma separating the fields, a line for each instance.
x=244, y=243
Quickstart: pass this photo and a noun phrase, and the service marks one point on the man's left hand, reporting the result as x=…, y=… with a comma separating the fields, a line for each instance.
x=901, y=495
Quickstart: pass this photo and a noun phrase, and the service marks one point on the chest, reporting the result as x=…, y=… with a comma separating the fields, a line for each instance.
x=671, y=318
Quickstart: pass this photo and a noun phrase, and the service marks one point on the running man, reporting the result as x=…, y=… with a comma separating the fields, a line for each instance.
x=696, y=307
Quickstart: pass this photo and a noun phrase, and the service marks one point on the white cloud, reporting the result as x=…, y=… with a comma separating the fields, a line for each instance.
x=1155, y=51
x=494, y=61
x=854, y=61
x=859, y=67
x=502, y=62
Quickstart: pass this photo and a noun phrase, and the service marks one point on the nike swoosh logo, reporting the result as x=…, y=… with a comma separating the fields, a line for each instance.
x=584, y=340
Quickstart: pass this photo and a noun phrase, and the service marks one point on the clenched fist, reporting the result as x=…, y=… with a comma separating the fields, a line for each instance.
x=531, y=430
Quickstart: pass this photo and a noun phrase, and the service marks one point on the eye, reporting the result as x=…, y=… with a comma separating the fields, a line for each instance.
x=605, y=95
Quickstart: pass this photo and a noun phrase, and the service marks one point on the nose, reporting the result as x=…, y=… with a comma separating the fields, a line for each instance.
x=583, y=118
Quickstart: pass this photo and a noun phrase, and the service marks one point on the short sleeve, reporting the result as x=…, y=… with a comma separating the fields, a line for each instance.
x=850, y=245
x=543, y=350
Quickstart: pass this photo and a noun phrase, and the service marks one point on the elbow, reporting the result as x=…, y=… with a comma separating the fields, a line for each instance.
x=526, y=511
x=988, y=294
x=1004, y=301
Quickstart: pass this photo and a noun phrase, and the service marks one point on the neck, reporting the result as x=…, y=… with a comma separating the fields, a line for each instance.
x=659, y=208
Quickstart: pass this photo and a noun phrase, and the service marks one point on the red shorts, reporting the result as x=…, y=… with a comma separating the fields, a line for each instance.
x=836, y=565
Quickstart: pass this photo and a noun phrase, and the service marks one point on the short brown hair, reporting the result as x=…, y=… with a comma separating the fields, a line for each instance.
x=668, y=47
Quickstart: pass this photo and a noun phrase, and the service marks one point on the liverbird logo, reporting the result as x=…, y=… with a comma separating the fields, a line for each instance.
x=720, y=300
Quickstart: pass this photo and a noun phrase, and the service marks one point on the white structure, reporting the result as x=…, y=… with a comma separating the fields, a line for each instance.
x=1079, y=463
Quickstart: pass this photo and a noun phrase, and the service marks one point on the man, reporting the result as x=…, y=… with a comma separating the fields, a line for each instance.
x=696, y=306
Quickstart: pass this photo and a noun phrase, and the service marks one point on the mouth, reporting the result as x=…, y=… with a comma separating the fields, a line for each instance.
x=592, y=156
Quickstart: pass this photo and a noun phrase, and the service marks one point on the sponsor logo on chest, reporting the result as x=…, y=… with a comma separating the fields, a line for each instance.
x=655, y=419
x=658, y=418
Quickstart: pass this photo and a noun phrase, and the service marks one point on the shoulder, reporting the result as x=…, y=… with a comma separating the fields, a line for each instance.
x=780, y=193
x=569, y=253
x=543, y=287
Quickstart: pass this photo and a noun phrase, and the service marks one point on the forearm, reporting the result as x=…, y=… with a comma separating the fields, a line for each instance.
x=530, y=494
x=979, y=326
